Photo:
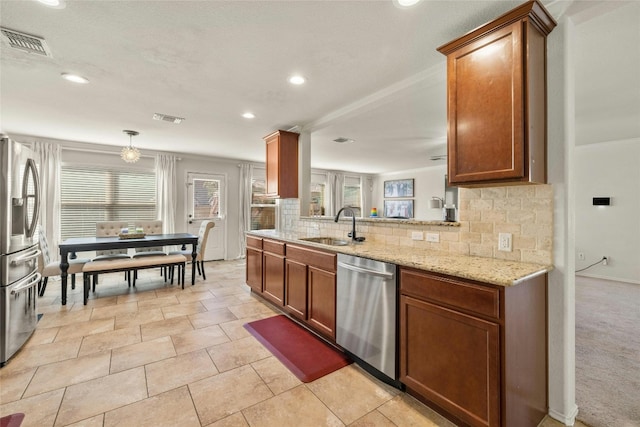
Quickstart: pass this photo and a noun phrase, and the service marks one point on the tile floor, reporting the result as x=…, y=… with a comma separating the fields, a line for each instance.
x=158, y=355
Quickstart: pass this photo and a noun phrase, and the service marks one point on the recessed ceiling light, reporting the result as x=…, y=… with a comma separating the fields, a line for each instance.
x=57, y=4
x=74, y=78
x=249, y=115
x=297, y=79
x=405, y=3
x=343, y=140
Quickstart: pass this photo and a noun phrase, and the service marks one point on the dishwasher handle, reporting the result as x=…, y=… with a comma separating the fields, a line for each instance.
x=357, y=269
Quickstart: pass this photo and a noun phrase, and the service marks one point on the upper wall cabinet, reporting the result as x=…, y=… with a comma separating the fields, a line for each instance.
x=282, y=164
x=496, y=100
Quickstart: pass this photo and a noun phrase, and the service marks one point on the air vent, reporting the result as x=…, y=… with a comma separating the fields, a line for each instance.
x=343, y=140
x=26, y=42
x=439, y=157
x=167, y=118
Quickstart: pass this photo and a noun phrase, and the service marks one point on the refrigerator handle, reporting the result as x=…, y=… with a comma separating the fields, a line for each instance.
x=30, y=227
x=26, y=257
x=29, y=282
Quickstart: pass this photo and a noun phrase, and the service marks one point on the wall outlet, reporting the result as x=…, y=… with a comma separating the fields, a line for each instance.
x=433, y=237
x=417, y=235
x=581, y=256
x=504, y=242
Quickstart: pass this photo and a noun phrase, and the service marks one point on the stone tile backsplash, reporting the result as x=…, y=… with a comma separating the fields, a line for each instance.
x=525, y=211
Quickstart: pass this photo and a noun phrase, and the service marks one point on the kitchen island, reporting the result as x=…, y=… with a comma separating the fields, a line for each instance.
x=472, y=331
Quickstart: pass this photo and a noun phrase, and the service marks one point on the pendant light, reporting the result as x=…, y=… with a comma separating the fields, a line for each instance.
x=130, y=154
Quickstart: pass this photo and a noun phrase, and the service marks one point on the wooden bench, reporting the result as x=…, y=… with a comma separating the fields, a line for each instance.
x=130, y=265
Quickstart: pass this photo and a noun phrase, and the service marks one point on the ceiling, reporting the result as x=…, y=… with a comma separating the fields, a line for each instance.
x=373, y=74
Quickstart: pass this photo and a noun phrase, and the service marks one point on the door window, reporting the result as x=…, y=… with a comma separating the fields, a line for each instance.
x=206, y=199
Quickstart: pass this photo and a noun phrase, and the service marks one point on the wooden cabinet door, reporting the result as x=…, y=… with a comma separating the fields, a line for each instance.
x=485, y=98
x=254, y=269
x=273, y=282
x=296, y=289
x=451, y=359
x=322, y=301
x=273, y=164
x=282, y=164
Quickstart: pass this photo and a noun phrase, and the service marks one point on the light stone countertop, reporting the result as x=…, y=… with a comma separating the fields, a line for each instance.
x=487, y=270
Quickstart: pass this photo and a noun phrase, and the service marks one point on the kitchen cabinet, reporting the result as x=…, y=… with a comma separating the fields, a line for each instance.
x=282, y=164
x=496, y=100
x=273, y=271
x=475, y=351
x=311, y=288
x=254, y=263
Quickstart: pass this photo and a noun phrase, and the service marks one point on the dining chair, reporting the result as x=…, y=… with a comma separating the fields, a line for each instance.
x=203, y=236
x=110, y=229
x=150, y=228
x=48, y=268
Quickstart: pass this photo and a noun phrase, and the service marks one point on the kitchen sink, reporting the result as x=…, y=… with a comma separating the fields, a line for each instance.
x=326, y=241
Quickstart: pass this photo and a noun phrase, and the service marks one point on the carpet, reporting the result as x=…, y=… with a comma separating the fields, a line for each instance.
x=304, y=354
x=13, y=420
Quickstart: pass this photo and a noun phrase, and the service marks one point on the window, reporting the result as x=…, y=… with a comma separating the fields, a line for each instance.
x=206, y=198
x=317, y=187
x=352, y=194
x=263, y=208
x=89, y=194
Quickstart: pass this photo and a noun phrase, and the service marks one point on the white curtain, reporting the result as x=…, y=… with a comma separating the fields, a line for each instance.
x=367, y=194
x=336, y=184
x=166, y=191
x=246, y=173
x=47, y=156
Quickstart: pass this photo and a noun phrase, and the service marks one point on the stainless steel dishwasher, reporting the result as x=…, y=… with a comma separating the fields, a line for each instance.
x=366, y=312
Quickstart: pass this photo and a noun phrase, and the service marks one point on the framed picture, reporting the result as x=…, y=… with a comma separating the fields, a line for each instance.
x=398, y=208
x=398, y=188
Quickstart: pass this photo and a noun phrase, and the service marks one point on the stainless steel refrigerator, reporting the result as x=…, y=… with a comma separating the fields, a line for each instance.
x=19, y=277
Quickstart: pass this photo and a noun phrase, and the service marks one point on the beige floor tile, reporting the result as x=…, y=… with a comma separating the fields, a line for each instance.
x=109, y=340
x=234, y=390
x=41, y=409
x=130, y=356
x=179, y=310
x=235, y=420
x=162, y=301
x=165, y=328
x=136, y=296
x=289, y=409
x=42, y=336
x=223, y=302
x=96, y=421
x=68, y=372
x=235, y=329
x=249, y=309
x=94, y=303
x=34, y=356
x=211, y=317
x=277, y=377
x=110, y=311
x=404, y=410
x=194, y=295
x=91, y=398
x=82, y=329
x=228, y=290
x=14, y=383
x=137, y=318
x=337, y=389
x=373, y=419
x=199, y=338
x=52, y=320
x=237, y=353
x=178, y=371
x=170, y=409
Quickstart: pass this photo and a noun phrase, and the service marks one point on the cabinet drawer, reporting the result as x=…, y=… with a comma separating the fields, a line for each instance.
x=453, y=292
x=312, y=257
x=273, y=246
x=254, y=242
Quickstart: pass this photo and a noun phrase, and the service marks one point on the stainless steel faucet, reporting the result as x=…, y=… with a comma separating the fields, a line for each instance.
x=352, y=234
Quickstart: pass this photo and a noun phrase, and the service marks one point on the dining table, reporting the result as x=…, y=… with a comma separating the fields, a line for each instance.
x=83, y=244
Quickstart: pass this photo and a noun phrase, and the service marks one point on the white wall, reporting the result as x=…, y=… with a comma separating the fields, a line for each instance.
x=609, y=169
x=429, y=182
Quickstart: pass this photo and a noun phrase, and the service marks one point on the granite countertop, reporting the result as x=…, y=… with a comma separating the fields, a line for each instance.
x=487, y=270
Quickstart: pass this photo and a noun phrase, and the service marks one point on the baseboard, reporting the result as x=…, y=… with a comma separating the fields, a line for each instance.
x=613, y=279
x=567, y=420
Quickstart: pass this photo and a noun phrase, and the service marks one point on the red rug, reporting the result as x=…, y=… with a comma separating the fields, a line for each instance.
x=306, y=355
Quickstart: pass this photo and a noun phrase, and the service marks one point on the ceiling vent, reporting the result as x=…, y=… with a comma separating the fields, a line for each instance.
x=343, y=140
x=439, y=157
x=167, y=118
x=26, y=42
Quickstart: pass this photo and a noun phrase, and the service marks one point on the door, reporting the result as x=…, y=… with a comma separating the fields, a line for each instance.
x=206, y=200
